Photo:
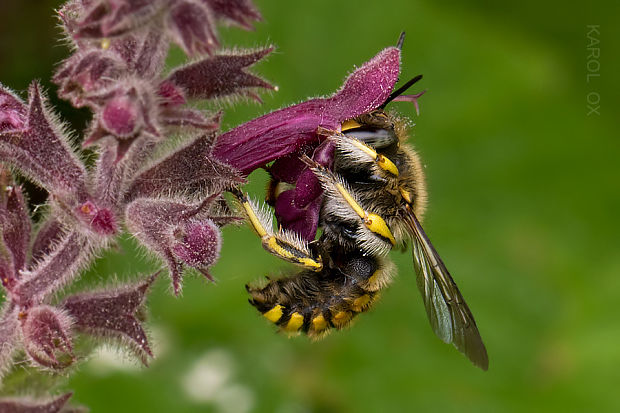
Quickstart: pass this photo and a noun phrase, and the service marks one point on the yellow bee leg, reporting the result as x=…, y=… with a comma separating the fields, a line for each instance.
x=283, y=244
x=359, y=152
x=372, y=221
x=337, y=188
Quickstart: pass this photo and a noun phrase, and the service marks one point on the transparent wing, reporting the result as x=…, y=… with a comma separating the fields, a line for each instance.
x=447, y=311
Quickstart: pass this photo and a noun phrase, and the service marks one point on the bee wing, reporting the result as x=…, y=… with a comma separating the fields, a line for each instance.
x=447, y=311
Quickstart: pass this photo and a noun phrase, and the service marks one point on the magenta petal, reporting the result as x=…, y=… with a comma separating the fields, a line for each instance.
x=298, y=209
x=285, y=131
x=125, y=110
x=98, y=219
x=307, y=189
x=121, y=116
x=288, y=168
x=273, y=136
x=368, y=87
x=303, y=221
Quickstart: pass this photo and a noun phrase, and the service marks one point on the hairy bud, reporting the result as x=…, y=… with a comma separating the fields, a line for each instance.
x=46, y=333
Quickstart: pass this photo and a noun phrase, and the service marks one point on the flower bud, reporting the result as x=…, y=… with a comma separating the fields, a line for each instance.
x=47, y=335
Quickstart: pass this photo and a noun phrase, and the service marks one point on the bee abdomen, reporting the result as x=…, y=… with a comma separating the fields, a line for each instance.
x=317, y=319
x=313, y=304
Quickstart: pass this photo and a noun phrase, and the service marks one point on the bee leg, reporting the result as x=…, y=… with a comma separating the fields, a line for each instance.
x=283, y=244
x=357, y=152
x=335, y=188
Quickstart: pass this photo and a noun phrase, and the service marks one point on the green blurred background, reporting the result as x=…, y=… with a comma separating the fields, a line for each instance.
x=524, y=200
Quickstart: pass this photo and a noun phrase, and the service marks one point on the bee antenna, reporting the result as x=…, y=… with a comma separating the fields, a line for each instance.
x=400, y=90
x=401, y=40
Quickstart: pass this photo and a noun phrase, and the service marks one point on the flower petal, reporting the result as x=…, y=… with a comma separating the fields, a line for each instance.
x=285, y=131
x=198, y=243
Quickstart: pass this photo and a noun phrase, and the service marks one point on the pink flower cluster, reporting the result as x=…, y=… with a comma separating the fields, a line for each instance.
x=154, y=176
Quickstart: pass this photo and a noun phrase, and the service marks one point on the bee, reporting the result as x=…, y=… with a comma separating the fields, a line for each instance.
x=373, y=200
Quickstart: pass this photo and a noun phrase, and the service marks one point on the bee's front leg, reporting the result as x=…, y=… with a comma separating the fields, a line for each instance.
x=283, y=244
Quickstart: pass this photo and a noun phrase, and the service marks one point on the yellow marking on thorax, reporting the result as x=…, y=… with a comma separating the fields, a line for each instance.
x=274, y=314
x=319, y=323
x=105, y=43
x=372, y=221
x=295, y=322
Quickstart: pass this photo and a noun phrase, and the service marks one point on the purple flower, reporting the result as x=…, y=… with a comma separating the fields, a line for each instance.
x=287, y=134
x=151, y=171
